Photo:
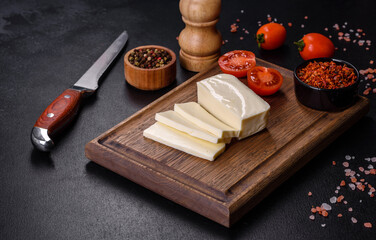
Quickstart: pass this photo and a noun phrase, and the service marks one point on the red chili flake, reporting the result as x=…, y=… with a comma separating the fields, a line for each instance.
x=327, y=75
x=372, y=171
x=342, y=183
x=334, y=163
x=309, y=193
x=340, y=34
x=361, y=187
x=340, y=198
x=269, y=19
x=353, y=179
x=359, y=30
x=234, y=28
x=370, y=76
x=289, y=24
x=325, y=213
x=313, y=210
x=339, y=215
x=241, y=38
x=368, y=225
x=371, y=62
x=238, y=20
x=305, y=17
x=366, y=92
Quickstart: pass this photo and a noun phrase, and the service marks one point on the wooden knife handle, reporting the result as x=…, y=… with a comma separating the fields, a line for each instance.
x=60, y=111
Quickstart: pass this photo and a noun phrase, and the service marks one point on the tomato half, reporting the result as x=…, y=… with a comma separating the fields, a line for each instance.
x=271, y=36
x=237, y=62
x=264, y=81
x=315, y=45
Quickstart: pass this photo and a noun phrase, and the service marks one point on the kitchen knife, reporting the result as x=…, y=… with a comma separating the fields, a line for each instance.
x=62, y=110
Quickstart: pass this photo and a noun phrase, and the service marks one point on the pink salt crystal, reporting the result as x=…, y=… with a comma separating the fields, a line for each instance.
x=373, y=159
x=354, y=220
x=366, y=172
x=312, y=217
x=361, y=169
x=350, y=209
x=345, y=164
x=374, y=90
x=345, y=202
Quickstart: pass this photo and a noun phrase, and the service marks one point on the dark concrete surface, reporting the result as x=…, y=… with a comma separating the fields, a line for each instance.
x=45, y=46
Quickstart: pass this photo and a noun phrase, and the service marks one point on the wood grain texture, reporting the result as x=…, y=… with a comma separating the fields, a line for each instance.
x=150, y=79
x=60, y=111
x=200, y=41
x=223, y=190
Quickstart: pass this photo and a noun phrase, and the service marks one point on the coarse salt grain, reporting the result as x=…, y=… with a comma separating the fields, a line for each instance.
x=352, y=186
x=373, y=159
x=370, y=166
x=312, y=217
x=368, y=225
x=348, y=157
x=326, y=206
x=323, y=225
x=333, y=199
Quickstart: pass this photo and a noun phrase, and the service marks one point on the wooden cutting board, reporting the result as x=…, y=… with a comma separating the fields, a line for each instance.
x=226, y=189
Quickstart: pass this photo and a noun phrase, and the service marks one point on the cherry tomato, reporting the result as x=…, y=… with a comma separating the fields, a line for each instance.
x=237, y=62
x=264, y=81
x=271, y=36
x=315, y=45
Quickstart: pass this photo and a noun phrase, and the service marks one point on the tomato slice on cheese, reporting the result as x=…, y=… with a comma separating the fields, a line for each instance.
x=237, y=62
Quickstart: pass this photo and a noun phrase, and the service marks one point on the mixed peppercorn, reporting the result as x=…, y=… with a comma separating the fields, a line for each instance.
x=149, y=58
x=328, y=75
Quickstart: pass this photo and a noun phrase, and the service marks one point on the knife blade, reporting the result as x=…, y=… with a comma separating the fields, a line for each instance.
x=62, y=110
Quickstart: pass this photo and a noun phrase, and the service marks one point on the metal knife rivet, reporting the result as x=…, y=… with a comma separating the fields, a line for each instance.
x=50, y=115
x=67, y=96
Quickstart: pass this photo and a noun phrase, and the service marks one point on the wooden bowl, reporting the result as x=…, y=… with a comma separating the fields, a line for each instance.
x=150, y=79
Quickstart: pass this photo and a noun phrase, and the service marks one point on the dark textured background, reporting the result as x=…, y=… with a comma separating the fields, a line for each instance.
x=45, y=46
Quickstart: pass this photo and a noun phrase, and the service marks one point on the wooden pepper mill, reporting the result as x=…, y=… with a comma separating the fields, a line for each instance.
x=200, y=41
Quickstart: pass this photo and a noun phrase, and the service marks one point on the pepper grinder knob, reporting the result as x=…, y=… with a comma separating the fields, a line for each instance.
x=200, y=41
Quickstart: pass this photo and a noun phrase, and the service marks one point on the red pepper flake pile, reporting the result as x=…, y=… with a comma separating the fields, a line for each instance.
x=149, y=58
x=328, y=75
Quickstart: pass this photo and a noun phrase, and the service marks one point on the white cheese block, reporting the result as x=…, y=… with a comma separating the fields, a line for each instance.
x=232, y=102
x=194, y=113
x=175, y=120
x=176, y=139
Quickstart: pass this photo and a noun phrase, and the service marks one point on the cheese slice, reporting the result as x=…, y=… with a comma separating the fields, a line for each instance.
x=232, y=102
x=175, y=120
x=194, y=113
x=176, y=139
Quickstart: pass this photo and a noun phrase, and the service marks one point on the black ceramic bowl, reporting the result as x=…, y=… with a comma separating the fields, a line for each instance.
x=326, y=99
